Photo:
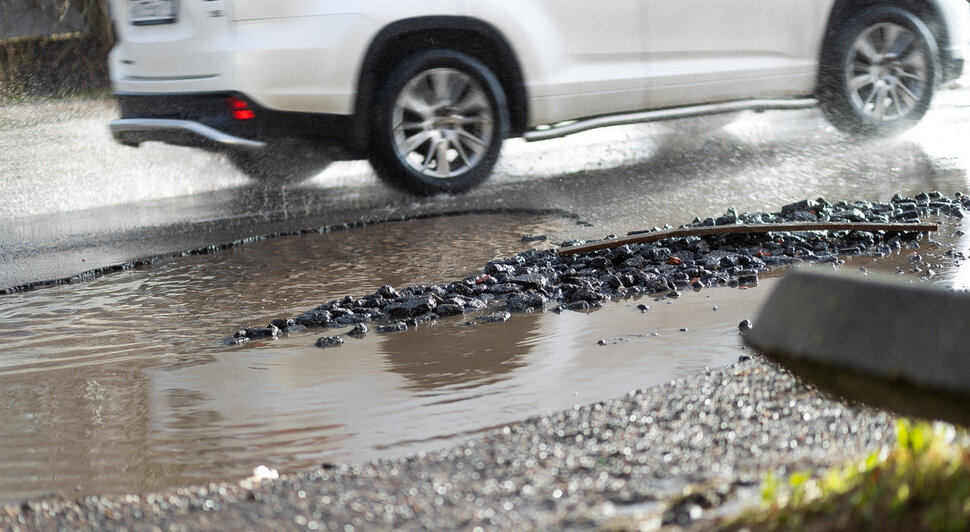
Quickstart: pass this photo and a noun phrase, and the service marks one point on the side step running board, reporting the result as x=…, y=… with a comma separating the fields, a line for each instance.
x=569, y=128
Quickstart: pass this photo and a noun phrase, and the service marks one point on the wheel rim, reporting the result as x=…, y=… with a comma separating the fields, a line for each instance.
x=442, y=123
x=887, y=71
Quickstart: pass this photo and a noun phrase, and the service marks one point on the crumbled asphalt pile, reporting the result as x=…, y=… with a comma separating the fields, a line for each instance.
x=567, y=470
x=539, y=280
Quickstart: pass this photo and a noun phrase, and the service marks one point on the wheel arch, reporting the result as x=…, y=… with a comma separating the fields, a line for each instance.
x=463, y=34
x=928, y=11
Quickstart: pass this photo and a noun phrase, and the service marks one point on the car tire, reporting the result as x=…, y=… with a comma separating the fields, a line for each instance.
x=280, y=164
x=439, y=123
x=878, y=74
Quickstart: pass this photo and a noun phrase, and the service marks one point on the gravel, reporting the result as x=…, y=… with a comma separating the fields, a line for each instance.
x=539, y=280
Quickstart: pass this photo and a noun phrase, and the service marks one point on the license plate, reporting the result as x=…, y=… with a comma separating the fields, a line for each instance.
x=148, y=12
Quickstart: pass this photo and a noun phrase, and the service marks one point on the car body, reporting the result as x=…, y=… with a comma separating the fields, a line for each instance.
x=429, y=89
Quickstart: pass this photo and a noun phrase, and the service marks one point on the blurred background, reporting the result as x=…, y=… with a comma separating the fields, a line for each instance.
x=53, y=47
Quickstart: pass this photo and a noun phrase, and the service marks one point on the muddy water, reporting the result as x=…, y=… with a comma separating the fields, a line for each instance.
x=122, y=384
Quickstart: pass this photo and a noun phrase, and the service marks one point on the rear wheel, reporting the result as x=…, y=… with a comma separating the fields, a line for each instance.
x=439, y=123
x=878, y=75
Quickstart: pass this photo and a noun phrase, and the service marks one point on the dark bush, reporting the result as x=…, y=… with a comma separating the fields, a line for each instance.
x=57, y=63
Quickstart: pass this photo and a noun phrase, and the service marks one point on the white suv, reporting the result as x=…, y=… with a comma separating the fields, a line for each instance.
x=427, y=90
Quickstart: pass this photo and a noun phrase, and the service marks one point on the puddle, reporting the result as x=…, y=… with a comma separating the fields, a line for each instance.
x=122, y=384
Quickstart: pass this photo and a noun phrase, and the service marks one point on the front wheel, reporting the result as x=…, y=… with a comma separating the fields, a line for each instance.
x=878, y=75
x=439, y=123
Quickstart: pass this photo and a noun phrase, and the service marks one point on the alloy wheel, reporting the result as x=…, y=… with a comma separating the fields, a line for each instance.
x=887, y=71
x=442, y=123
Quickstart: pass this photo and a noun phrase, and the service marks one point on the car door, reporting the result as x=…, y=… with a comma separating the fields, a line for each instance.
x=699, y=51
x=578, y=59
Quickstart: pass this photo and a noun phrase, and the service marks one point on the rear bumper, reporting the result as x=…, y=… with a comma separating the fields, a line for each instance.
x=205, y=121
x=134, y=131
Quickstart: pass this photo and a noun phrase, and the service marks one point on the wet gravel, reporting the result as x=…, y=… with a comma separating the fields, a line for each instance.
x=571, y=470
x=539, y=280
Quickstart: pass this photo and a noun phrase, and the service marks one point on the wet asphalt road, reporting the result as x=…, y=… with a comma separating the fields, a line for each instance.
x=74, y=201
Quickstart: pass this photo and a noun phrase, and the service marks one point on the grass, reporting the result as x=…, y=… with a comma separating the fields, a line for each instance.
x=922, y=483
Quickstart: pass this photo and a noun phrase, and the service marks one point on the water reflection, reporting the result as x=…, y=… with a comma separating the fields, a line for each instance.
x=459, y=356
x=71, y=430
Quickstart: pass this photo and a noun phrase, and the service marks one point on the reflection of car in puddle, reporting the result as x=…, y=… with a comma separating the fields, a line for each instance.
x=460, y=357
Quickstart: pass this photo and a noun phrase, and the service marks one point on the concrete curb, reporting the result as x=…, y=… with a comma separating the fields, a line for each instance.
x=892, y=345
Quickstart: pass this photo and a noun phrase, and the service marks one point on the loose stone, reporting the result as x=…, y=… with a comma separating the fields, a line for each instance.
x=578, y=305
x=397, y=326
x=496, y=317
x=525, y=302
x=329, y=341
x=528, y=281
x=257, y=333
x=449, y=309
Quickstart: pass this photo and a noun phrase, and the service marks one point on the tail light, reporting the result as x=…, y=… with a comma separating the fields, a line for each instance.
x=239, y=108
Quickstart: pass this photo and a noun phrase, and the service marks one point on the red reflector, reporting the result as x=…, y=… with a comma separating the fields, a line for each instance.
x=239, y=108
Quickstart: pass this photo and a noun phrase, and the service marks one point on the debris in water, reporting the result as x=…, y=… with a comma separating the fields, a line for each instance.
x=702, y=230
x=260, y=473
x=497, y=317
x=329, y=341
x=397, y=326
